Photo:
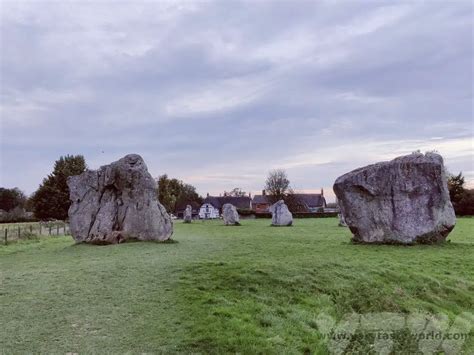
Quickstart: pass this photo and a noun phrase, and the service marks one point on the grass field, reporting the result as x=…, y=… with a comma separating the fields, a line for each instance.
x=247, y=289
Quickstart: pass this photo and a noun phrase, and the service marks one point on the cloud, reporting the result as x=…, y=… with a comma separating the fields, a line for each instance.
x=218, y=93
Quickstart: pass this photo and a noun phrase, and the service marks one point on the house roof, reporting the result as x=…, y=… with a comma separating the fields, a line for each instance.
x=238, y=202
x=260, y=199
x=311, y=200
x=181, y=206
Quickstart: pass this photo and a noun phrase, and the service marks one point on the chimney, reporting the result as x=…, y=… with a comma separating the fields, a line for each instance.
x=264, y=192
x=208, y=194
x=250, y=195
x=322, y=192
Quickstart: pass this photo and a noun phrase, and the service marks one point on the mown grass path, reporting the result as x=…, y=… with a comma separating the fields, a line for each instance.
x=247, y=289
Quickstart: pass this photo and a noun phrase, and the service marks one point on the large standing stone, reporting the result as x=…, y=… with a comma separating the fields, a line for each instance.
x=281, y=216
x=116, y=203
x=188, y=214
x=405, y=201
x=230, y=215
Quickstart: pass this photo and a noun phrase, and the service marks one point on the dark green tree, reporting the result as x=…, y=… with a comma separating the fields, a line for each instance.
x=456, y=187
x=11, y=198
x=462, y=199
x=465, y=205
x=173, y=192
x=51, y=200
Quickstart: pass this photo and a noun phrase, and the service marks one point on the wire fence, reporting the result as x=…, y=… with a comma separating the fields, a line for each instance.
x=10, y=232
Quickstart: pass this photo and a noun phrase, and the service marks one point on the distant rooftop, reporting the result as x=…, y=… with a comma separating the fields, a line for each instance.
x=219, y=201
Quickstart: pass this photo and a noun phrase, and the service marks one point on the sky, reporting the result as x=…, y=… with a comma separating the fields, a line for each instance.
x=219, y=93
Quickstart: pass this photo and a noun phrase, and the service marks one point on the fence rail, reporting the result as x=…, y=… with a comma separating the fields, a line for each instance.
x=20, y=231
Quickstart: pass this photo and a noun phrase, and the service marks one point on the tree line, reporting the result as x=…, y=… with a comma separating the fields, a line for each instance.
x=51, y=199
x=462, y=198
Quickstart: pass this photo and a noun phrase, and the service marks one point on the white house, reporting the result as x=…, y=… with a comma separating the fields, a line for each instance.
x=208, y=211
x=212, y=205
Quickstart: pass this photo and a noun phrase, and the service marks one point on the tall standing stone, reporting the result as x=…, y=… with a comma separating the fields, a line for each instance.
x=281, y=215
x=405, y=201
x=188, y=214
x=230, y=215
x=116, y=203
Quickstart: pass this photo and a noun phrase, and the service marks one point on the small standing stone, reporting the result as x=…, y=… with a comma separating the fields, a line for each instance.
x=342, y=222
x=188, y=214
x=230, y=215
x=281, y=215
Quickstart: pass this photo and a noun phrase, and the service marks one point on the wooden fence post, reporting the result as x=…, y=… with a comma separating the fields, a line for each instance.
x=64, y=228
x=40, y=229
x=6, y=236
x=18, y=232
x=49, y=230
x=31, y=229
x=57, y=230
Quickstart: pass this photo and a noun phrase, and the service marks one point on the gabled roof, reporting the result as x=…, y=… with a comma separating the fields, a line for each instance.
x=310, y=200
x=260, y=199
x=238, y=202
x=213, y=201
x=181, y=206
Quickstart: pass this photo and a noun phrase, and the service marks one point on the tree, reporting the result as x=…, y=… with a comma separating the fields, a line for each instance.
x=173, y=192
x=236, y=192
x=11, y=198
x=294, y=203
x=51, y=200
x=465, y=205
x=456, y=187
x=462, y=199
x=277, y=185
x=278, y=188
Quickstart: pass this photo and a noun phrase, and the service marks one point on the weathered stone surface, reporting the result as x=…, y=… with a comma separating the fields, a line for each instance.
x=230, y=215
x=117, y=202
x=281, y=216
x=404, y=201
x=188, y=214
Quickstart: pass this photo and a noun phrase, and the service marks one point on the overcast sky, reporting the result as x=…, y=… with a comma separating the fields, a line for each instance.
x=219, y=93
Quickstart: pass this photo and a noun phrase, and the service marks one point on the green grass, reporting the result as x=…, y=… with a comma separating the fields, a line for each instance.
x=247, y=289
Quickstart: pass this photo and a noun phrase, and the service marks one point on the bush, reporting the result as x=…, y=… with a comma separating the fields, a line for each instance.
x=245, y=211
x=465, y=205
x=16, y=215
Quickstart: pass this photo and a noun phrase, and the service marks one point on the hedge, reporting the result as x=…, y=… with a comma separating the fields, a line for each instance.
x=301, y=215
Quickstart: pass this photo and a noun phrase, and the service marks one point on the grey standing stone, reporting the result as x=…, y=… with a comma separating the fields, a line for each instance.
x=404, y=201
x=281, y=216
x=188, y=214
x=342, y=222
x=116, y=203
x=230, y=215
